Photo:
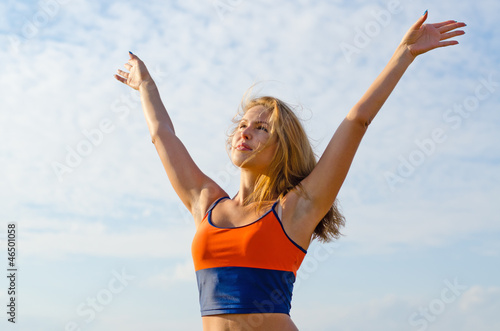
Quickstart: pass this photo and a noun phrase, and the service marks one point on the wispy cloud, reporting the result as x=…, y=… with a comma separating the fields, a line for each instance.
x=471, y=309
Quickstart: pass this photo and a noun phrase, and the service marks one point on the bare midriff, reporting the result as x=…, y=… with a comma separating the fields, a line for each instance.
x=248, y=322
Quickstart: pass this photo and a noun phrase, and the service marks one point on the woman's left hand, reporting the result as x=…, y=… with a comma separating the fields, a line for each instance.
x=422, y=38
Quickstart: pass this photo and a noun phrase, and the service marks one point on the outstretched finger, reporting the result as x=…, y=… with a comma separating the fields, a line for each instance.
x=447, y=43
x=440, y=24
x=133, y=58
x=128, y=66
x=452, y=34
x=123, y=73
x=121, y=79
x=420, y=21
x=449, y=27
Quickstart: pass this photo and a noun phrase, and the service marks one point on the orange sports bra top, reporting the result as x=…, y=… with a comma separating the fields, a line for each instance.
x=247, y=269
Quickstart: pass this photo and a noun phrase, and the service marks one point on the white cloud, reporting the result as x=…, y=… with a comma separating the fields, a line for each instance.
x=169, y=277
x=47, y=239
x=473, y=309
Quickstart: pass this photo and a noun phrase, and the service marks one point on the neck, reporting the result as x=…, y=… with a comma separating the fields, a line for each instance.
x=247, y=185
x=248, y=180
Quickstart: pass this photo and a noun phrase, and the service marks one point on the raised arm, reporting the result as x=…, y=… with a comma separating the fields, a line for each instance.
x=195, y=189
x=324, y=182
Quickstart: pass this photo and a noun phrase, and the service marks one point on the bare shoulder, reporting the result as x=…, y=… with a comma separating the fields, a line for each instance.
x=208, y=195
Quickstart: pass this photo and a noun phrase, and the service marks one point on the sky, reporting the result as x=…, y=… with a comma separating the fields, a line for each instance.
x=103, y=242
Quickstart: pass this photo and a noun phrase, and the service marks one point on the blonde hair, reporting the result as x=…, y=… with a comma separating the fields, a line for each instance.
x=294, y=161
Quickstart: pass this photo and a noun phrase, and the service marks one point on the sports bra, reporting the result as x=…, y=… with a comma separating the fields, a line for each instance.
x=245, y=270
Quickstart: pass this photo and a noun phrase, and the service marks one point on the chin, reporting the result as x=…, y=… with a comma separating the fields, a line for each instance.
x=237, y=162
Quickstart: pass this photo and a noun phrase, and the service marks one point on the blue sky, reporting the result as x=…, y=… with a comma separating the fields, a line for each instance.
x=98, y=220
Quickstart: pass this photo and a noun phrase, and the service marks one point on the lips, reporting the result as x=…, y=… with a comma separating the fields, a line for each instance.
x=243, y=147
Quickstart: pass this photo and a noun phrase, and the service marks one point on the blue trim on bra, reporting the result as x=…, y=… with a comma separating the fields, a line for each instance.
x=209, y=218
x=273, y=209
x=212, y=206
x=283, y=228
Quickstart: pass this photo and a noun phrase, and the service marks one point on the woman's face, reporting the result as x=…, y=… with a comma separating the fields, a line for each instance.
x=253, y=146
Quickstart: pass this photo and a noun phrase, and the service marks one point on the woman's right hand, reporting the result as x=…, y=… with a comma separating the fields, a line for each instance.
x=138, y=74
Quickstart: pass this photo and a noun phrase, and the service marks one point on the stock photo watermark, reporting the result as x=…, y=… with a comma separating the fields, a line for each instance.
x=225, y=7
x=94, y=137
x=453, y=117
x=223, y=178
x=92, y=306
x=12, y=272
x=363, y=37
x=75, y=155
x=436, y=307
x=31, y=27
x=226, y=176
x=315, y=256
x=313, y=259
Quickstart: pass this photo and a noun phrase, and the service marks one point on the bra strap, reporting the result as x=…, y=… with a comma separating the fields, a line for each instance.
x=212, y=206
x=278, y=208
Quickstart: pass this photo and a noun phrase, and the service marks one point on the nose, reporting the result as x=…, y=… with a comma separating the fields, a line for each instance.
x=245, y=133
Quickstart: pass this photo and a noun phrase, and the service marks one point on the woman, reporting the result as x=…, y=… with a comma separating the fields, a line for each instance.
x=247, y=249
